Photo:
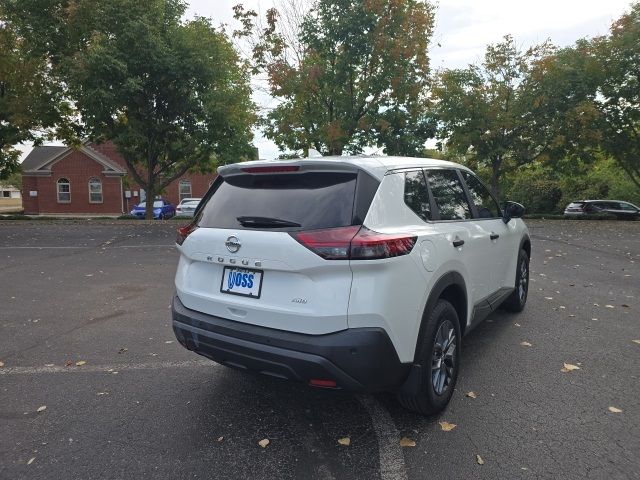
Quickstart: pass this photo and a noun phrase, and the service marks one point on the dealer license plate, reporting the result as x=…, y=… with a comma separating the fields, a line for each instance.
x=241, y=281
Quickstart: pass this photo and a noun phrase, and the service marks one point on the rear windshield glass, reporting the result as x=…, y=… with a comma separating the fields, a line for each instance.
x=283, y=202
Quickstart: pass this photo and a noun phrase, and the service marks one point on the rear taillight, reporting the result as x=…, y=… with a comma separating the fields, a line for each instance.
x=184, y=232
x=369, y=245
x=354, y=243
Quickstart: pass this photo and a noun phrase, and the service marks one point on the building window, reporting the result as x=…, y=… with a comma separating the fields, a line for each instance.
x=185, y=189
x=64, y=191
x=6, y=194
x=95, y=190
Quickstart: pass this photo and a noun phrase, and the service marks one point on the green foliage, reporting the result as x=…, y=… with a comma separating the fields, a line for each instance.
x=536, y=188
x=171, y=94
x=29, y=105
x=347, y=74
x=618, y=57
x=541, y=188
x=481, y=109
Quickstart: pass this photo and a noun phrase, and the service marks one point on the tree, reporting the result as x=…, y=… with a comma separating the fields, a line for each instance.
x=346, y=74
x=172, y=95
x=29, y=107
x=481, y=109
x=618, y=99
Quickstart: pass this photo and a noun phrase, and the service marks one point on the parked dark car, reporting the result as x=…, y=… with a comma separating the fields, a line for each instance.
x=161, y=209
x=617, y=208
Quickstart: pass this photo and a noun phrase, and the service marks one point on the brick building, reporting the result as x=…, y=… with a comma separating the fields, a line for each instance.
x=91, y=180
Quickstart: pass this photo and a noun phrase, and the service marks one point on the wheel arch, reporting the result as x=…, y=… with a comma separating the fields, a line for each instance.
x=451, y=287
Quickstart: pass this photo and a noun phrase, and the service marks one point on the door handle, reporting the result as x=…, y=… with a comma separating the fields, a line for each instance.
x=458, y=243
x=494, y=236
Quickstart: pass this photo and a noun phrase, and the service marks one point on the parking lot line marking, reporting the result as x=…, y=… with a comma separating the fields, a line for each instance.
x=105, y=368
x=391, y=458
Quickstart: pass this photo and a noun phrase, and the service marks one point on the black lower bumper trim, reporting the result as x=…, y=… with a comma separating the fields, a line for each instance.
x=357, y=359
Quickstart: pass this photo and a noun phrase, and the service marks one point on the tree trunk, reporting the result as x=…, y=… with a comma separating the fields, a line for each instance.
x=151, y=194
x=495, y=177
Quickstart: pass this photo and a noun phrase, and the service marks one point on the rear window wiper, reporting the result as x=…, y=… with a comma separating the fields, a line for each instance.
x=265, y=222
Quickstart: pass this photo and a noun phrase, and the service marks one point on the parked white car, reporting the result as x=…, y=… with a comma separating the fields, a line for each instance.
x=187, y=206
x=353, y=273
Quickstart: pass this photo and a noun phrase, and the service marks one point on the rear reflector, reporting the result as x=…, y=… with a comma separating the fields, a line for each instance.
x=323, y=383
x=272, y=169
x=354, y=243
x=184, y=232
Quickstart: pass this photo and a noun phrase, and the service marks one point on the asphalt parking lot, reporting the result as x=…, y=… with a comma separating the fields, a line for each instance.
x=85, y=332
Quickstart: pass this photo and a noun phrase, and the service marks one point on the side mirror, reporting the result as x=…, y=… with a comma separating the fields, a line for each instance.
x=512, y=210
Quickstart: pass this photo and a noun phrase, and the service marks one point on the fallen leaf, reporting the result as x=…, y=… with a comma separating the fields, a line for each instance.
x=479, y=460
x=264, y=442
x=346, y=441
x=567, y=367
x=517, y=324
x=122, y=350
x=48, y=364
x=80, y=363
x=525, y=344
x=636, y=341
x=169, y=341
x=31, y=460
x=625, y=305
x=446, y=426
x=1, y=364
x=407, y=442
x=68, y=363
x=548, y=298
x=471, y=394
x=220, y=439
x=42, y=408
x=609, y=306
x=615, y=410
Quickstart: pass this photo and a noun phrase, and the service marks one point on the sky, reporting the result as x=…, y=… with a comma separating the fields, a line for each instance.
x=463, y=29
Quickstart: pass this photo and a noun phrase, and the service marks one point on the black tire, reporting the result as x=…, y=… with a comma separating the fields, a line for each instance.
x=518, y=298
x=436, y=386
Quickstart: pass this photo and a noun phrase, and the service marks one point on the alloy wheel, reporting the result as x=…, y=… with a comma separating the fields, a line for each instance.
x=523, y=281
x=444, y=357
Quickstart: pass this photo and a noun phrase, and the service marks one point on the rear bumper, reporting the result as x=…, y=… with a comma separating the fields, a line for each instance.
x=357, y=359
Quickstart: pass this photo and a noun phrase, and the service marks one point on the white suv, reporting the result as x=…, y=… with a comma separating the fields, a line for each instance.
x=354, y=273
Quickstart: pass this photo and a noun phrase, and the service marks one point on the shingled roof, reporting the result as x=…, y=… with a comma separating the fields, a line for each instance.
x=40, y=155
x=40, y=159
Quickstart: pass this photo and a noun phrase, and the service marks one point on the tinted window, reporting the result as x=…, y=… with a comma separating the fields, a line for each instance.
x=627, y=206
x=448, y=194
x=416, y=195
x=480, y=196
x=312, y=199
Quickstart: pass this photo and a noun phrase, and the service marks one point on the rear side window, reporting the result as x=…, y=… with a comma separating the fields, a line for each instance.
x=485, y=204
x=416, y=195
x=448, y=194
x=297, y=201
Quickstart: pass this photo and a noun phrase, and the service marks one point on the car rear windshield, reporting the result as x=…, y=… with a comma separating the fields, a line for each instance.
x=282, y=202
